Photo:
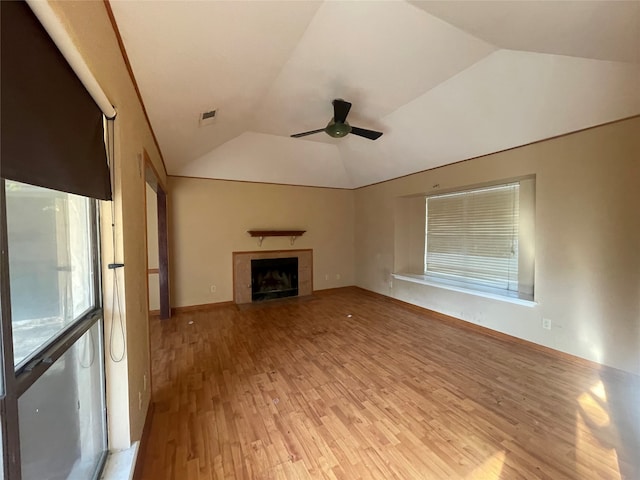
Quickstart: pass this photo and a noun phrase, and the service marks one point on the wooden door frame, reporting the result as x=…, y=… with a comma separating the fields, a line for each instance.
x=152, y=178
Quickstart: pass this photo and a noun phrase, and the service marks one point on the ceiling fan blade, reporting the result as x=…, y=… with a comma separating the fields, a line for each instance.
x=363, y=132
x=340, y=110
x=304, y=134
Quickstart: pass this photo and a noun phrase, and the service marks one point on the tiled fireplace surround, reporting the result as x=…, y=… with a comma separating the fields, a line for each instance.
x=242, y=271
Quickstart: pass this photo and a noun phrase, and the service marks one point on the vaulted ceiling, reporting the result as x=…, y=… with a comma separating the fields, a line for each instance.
x=444, y=80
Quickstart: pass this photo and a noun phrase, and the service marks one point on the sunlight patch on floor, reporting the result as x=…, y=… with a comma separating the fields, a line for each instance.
x=593, y=422
x=599, y=391
x=490, y=469
x=594, y=410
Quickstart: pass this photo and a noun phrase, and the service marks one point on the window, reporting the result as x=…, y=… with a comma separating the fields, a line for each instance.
x=49, y=264
x=62, y=427
x=475, y=238
x=55, y=323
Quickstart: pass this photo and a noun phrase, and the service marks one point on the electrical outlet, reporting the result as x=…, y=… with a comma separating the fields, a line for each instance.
x=337, y=276
x=326, y=277
x=213, y=288
x=546, y=323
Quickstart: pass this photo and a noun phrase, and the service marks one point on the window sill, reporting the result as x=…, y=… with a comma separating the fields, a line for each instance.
x=120, y=464
x=486, y=292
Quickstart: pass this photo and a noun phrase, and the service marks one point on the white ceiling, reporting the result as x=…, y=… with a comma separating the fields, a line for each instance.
x=444, y=80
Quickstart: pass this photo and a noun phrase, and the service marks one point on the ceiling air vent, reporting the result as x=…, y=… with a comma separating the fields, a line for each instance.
x=207, y=118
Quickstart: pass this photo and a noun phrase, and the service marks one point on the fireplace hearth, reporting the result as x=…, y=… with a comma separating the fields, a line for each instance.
x=274, y=278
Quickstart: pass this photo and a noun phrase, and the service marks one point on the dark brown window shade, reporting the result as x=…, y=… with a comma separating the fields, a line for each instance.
x=51, y=129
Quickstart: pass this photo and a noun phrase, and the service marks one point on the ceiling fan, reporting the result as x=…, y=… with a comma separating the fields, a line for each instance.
x=338, y=126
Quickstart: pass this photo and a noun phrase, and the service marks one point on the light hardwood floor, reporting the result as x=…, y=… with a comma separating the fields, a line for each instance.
x=351, y=386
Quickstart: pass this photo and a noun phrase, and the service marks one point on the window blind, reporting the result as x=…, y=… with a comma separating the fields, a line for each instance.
x=472, y=236
x=52, y=130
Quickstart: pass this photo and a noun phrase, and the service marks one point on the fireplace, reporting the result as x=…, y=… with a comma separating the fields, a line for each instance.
x=244, y=279
x=274, y=278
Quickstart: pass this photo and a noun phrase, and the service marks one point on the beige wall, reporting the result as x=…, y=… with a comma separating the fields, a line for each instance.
x=587, y=243
x=587, y=235
x=89, y=26
x=210, y=218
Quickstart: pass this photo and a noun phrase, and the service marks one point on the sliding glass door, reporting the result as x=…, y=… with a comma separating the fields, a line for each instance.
x=52, y=342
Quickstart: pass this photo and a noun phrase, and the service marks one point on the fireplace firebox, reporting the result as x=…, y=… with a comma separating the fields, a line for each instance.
x=274, y=278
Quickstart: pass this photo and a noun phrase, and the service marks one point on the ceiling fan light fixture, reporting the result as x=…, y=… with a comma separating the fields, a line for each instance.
x=338, y=130
x=338, y=127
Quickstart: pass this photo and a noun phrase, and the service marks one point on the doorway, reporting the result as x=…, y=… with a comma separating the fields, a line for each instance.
x=157, y=242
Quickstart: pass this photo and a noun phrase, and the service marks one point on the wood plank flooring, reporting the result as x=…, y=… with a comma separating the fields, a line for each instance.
x=350, y=386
